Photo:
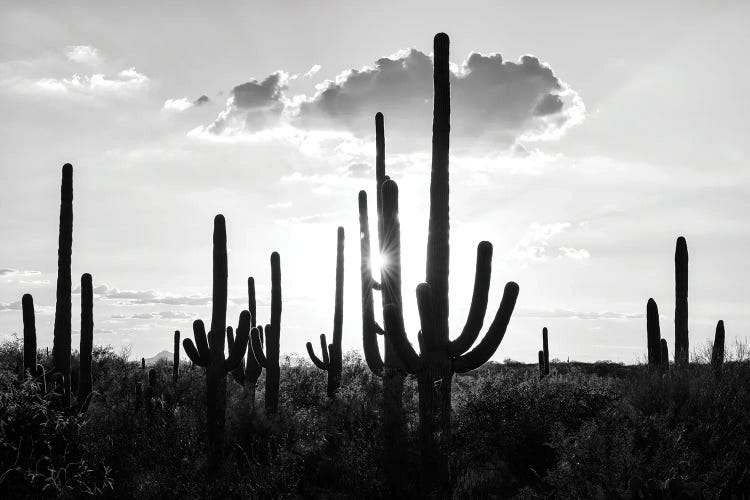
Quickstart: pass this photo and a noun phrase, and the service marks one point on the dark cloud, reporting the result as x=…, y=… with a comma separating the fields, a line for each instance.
x=492, y=98
x=203, y=99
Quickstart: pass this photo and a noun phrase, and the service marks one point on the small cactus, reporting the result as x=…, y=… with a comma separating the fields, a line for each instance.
x=653, y=334
x=85, y=379
x=332, y=356
x=681, y=342
x=29, y=338
x=717, y=354
x=143, y=364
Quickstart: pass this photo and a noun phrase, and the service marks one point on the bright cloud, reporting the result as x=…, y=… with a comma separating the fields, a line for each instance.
x=127, y=81
x=85, y=54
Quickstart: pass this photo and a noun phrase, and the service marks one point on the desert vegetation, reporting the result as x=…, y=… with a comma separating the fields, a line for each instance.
x=440, y=421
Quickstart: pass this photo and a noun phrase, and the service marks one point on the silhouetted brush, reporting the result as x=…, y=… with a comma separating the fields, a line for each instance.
x=664, y=355
x=209, y=353
x=176, y=359
x=138, y=395
x=85, y=378
x=150, y=392
x=681, y=343
x=717, y=354
x=332, y=356
x=653, y=334
x=440, y=357
x=62, y=328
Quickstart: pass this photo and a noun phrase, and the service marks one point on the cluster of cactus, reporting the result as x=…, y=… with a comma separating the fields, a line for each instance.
x=332, y=356
x=62, y=327
x=249, y=371
x=439, y=357
x=658, y=352
x=209, y=352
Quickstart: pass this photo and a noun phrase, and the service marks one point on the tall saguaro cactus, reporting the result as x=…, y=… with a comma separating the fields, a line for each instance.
x=85, y=379
x=389, y=367
x=176, y=359
x=440, y=357
x=270, y=360
x=332, y=357
x=681, y=344
x=62, y=328
x=209, y=353
x=545, y=350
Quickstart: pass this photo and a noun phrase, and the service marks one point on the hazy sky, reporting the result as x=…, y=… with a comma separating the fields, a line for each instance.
x=586, y=137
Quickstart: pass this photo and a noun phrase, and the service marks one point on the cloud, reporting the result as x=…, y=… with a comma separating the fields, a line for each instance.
x=85, y=54
x=145, y=297
x=10, y=306
x=568, y=314
x=312, y=71
x=125, y=82
x=500, y=101
x=536, y=243
x=15, y=272
x=183, y=103
x=155, y=315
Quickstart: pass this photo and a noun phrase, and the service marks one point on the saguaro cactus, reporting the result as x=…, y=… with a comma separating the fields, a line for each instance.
x=176, y=359
x=440, y=358
x=62, y=328
x=389, y=367
x=143, y=364
x=270, y=360
x=545, y=350
x=29, y=337
x=653, y=334
x=717, y=355
x=541, y=365
x=681, y=344
x=332, y=357
x=210, y=353
x=248, y=372
x=85, y=379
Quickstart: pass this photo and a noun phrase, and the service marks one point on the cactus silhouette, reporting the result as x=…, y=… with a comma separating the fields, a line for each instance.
x=62, y=328
x=664, y=355
x=270, y=360
x=332, y=356
x=545, y=350
x=176, y=358
x=143, y=364
x=209, y=353
x=85, y=379
x=541, y=365
x=653, y=334
x=681, y=343
x=439, y=357
x=249, y=371
x=30, y=366
x=717, y=354
x=389, y=367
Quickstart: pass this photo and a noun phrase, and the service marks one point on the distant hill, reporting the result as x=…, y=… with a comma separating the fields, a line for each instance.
x=162, y=355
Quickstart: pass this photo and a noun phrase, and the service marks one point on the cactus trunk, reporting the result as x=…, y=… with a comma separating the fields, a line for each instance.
x=29, y=337
x=85, y=379
x=176, y=359
x=717, y=354
x=664, y=355
x=62, y=328
x=681, y=344
x=653, y=334
x=545, y=349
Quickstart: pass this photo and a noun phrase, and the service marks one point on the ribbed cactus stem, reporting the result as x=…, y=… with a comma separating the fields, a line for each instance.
x=252, y=369
x=176, y=358
x=681, y=343
x=62, y=328
x=332, y=356
x=85, y=378
x=664, y=355
x=717, y=354
x=273, y=334
x=369, y=327
x=29, y=337
x=653, y=334
x=545, y=349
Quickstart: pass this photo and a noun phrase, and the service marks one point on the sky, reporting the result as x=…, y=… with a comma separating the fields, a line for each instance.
x=586, y=137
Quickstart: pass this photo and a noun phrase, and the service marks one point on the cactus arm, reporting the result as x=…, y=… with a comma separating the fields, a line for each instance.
x=251, y=302
x=545, y=349
x=380, y=176
x=192, y=353
x=85, y=380
x=316, y=361
x=230, y=338
x=717, y=354
x=396, y=334
x=239, y=345
x=29, y=336
x=200, y=355
x=438, y=247
x=489, y=344
x=253, y=369
x=324, y=349
x=376, y=285
x=369, y=326
x=426, y=336
x=479, y=301
x=257, y=346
